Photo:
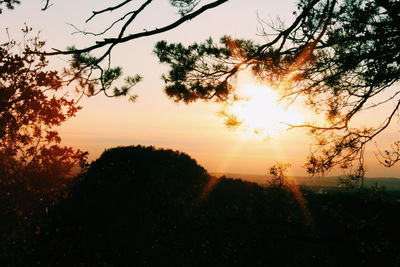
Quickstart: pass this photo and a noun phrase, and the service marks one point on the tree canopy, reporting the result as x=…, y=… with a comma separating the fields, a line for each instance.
x=32, y=161
x=342, y=56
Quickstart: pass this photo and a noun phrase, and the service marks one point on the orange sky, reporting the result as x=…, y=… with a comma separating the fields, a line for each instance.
x=156, y=120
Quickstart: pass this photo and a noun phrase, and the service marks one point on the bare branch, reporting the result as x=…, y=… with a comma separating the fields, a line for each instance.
x=109, y=9
x=47, y=5
x=114, y=41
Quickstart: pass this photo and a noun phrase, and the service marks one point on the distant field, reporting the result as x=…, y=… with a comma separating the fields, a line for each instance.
x=390, y=183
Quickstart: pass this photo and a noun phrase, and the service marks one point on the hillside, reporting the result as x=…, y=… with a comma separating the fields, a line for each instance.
x=390, y=183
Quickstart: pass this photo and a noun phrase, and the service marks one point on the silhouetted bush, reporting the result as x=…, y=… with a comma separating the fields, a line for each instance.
x=126, y=208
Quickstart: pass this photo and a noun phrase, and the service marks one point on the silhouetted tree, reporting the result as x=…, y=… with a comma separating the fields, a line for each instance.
x=277, y=174
x=342, y=56
x=32, y=163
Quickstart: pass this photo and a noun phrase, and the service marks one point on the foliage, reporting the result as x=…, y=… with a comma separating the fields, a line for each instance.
x=353, y=180
x=342, y=56
x=33, y=164
x=185, y=6
x=95, y=73
x=189, y=66
x=10, y=4
x=30, y=111
x=93, y=79
x=277, y=173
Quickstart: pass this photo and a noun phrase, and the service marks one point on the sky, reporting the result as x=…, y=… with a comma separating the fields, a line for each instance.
x=154, y=119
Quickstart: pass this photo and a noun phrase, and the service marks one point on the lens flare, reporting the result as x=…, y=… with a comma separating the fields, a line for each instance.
x=259, y=113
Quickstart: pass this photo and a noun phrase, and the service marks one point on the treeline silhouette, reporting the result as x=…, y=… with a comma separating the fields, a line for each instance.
x=141, y=206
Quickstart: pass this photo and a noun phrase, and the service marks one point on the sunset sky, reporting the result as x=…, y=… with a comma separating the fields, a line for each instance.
x=156, y=120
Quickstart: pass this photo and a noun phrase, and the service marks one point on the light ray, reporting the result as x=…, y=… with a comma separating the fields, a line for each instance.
x=259, y=113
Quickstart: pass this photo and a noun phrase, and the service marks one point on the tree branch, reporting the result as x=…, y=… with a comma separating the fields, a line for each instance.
x=109, y=9
x=114, y=41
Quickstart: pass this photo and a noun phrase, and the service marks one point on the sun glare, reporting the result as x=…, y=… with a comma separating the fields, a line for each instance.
x=259, y=112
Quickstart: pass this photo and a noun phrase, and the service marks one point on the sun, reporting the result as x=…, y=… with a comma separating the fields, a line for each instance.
x=259, y=113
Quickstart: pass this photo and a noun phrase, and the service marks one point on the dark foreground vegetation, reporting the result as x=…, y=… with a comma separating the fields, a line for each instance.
x=138, y=206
